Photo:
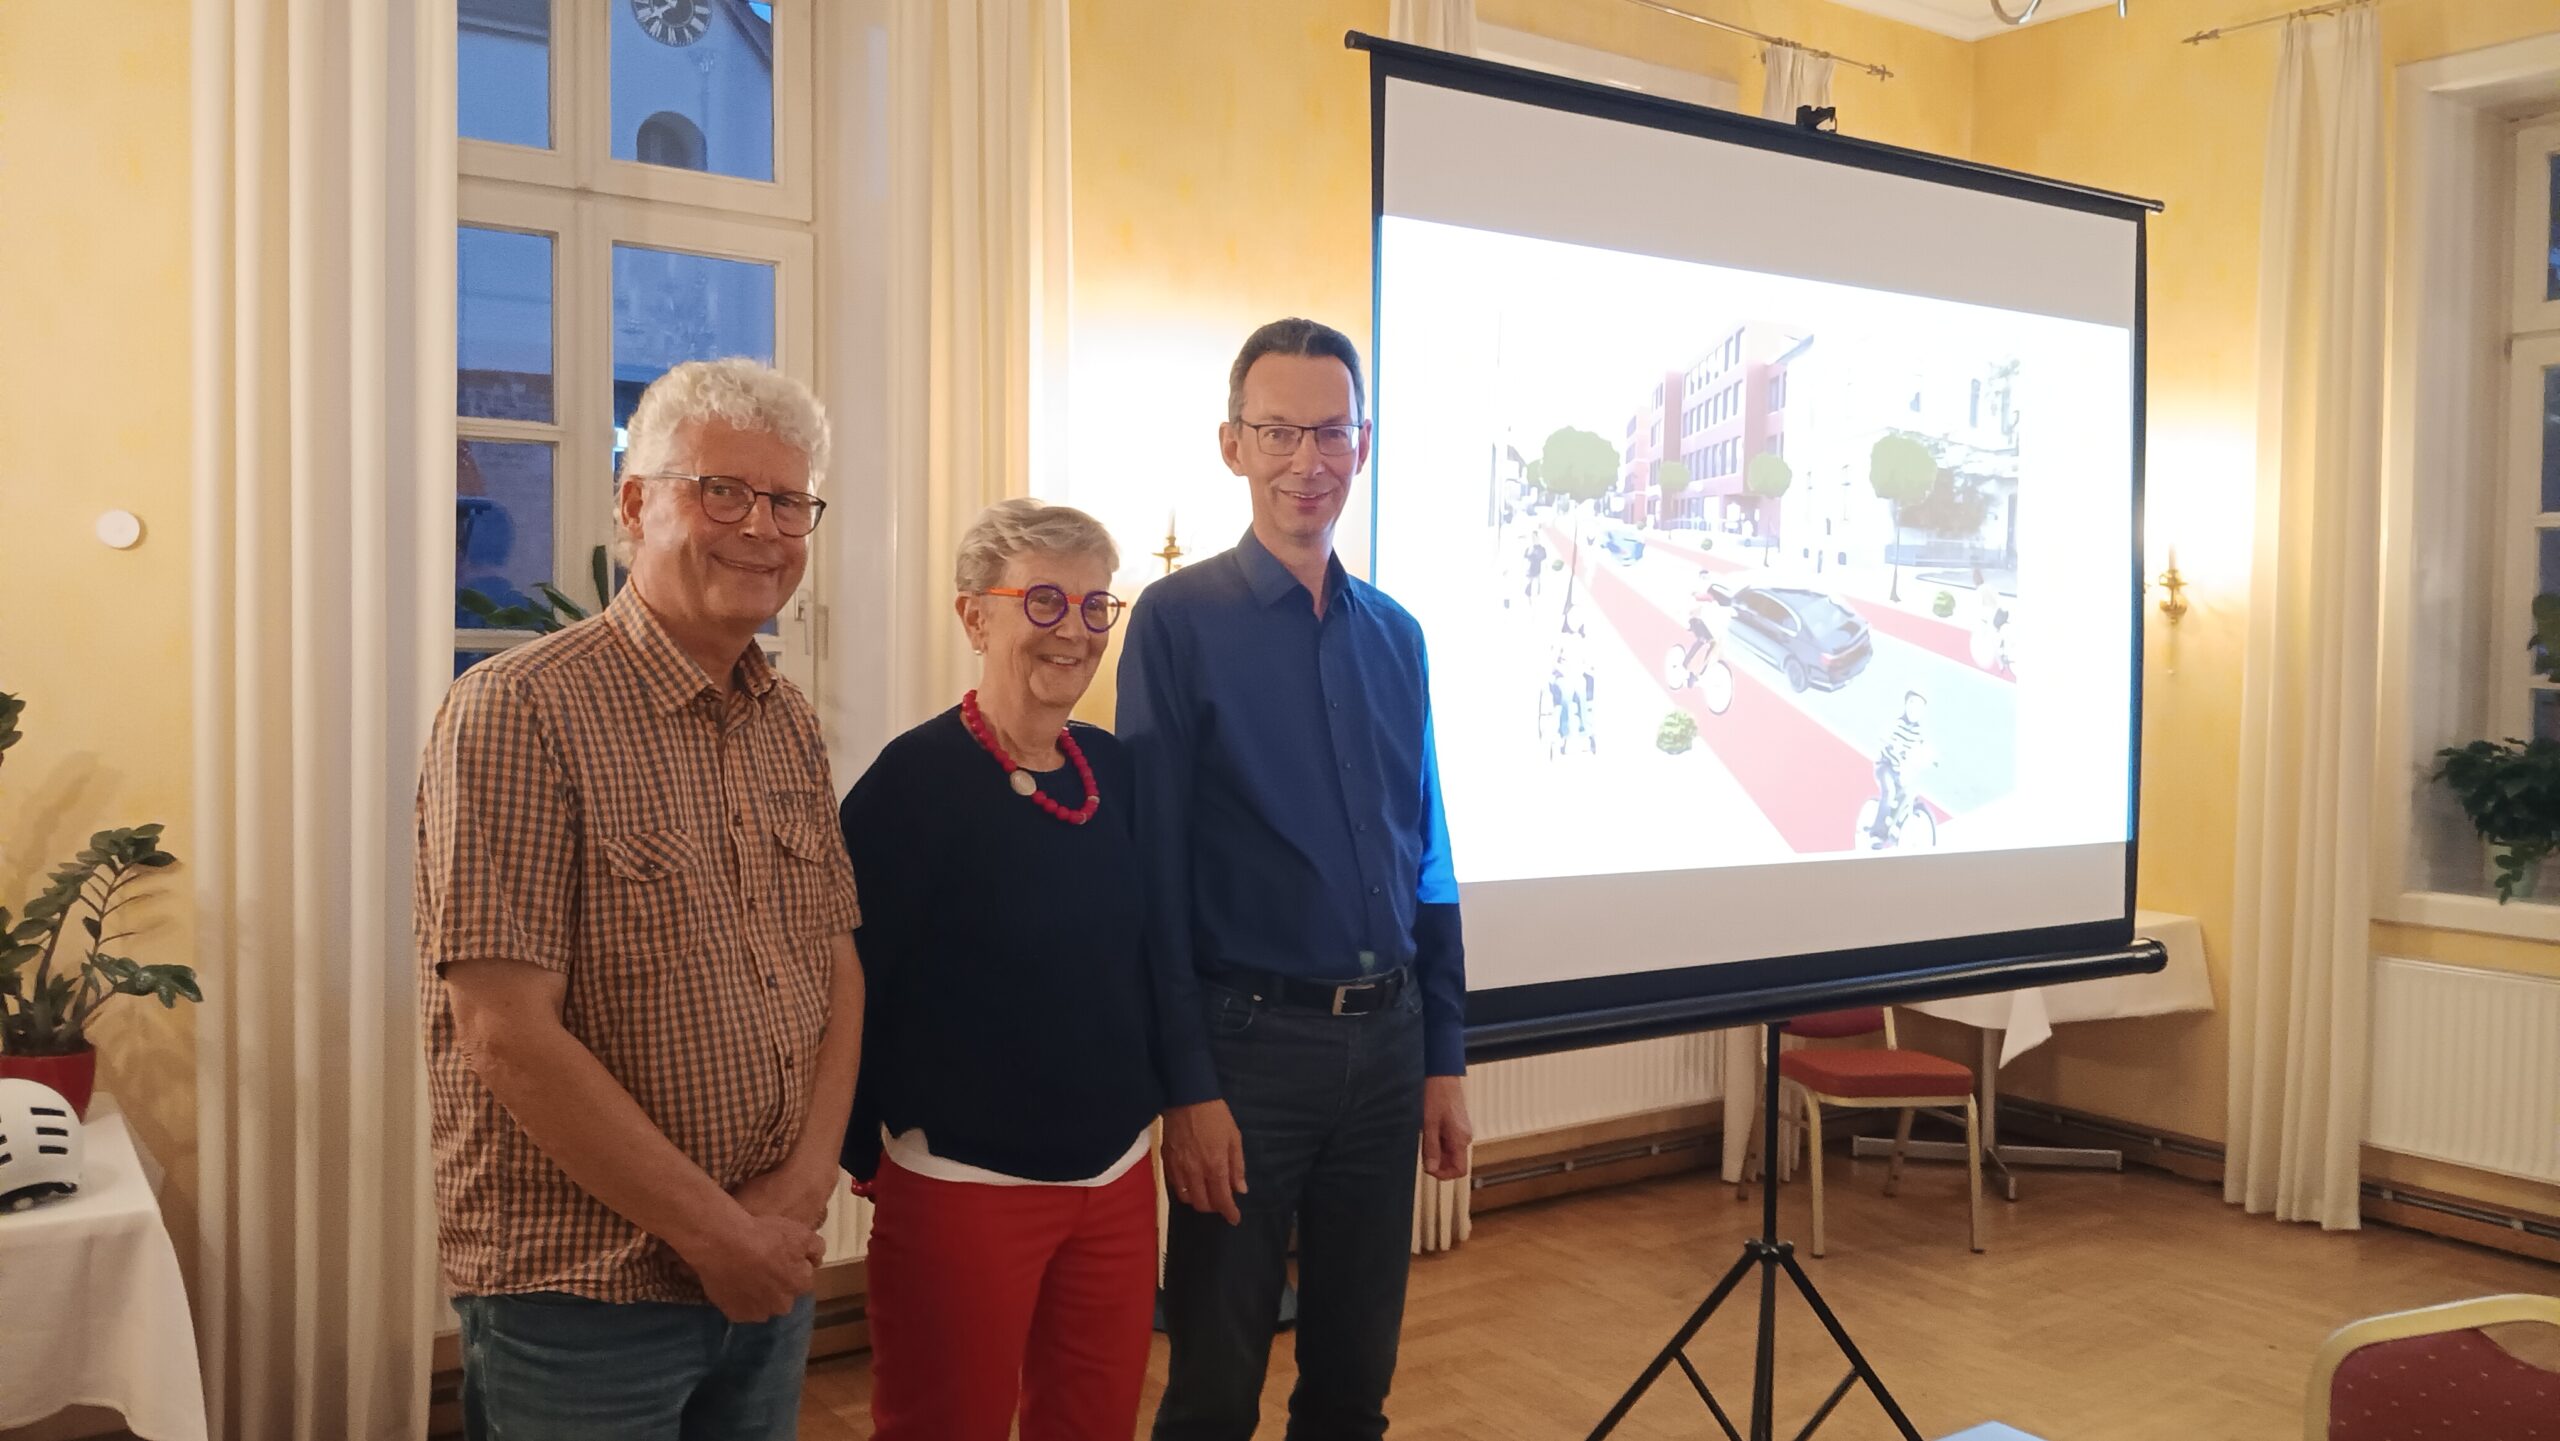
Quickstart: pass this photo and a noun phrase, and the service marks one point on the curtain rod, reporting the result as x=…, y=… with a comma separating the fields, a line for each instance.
x=2334, y=7
x=1878, y=71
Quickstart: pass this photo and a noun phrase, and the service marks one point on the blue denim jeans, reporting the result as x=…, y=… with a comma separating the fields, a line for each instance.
x=1331, y=1111
x=552, y=1367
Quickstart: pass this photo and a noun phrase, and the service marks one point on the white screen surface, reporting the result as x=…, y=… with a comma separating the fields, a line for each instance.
x=1575, y=310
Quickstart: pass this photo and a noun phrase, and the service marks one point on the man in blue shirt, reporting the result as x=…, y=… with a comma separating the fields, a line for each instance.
x=1304, y=920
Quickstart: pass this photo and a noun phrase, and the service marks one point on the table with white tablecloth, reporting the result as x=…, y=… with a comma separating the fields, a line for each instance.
x=2013, y=1023
x=95, y=1312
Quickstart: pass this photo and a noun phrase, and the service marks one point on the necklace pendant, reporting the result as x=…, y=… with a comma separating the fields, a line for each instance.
x=1023, y=784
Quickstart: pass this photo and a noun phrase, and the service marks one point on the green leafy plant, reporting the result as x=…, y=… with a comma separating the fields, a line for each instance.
x=548, y=611
x=49, y=994
x=2511, y=792
x=1944, y=605
x=1678, y=732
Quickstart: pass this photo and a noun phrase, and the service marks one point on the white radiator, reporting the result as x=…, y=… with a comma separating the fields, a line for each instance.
x=2466, y=1067
x=1576, y=1088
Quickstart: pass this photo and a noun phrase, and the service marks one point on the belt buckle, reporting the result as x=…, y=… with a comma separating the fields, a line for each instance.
x=1343, y=992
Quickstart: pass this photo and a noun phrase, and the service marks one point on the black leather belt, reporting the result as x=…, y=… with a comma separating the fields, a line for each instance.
x=1337, y=998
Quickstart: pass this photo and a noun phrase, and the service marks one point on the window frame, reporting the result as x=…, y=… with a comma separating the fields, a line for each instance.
x=589, y=203
x=2456, y=471
x=2522, y=524
x=2532, y=347
x=581, y=153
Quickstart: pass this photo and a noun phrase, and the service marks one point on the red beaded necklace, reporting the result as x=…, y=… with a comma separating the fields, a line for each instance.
x=1022, y=780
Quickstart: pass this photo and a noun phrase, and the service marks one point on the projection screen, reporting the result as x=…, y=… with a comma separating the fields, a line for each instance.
x=1770, y=502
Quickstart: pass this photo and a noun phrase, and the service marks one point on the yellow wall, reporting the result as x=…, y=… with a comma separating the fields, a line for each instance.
x=2123, y=104
x=94, y=412
x=1221, y=179
x=1927, y=104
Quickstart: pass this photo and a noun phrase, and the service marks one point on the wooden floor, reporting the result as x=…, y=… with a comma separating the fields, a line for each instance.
x=2131, y=1307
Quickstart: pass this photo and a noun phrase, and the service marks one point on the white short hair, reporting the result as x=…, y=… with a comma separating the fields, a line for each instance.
x=1022, y=526
x=748, y=394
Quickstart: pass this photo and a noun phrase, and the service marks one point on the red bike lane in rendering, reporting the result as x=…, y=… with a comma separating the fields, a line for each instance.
x=1809, y=782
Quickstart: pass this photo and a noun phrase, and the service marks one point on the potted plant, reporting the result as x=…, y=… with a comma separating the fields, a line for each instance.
x=2511, y=791
x=50, y=992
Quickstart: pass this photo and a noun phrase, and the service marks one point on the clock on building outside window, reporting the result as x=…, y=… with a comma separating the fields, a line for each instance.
x=673, y=22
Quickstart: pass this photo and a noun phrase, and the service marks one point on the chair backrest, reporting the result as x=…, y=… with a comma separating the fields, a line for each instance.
x=1838, y=1025
x=2417, y=1372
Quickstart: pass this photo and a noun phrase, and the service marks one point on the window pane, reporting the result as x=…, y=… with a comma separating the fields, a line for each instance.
x=2549, y=540
x=670, y=306
x=504, y=344
x=2546, y=715
x=502, y=528
x=2551, y=438
x=503, y=71
x=693, y=85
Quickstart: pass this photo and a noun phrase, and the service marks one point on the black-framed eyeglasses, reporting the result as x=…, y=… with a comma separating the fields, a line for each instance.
x=1046, y=605
x=1277, y=439
x=727, y=499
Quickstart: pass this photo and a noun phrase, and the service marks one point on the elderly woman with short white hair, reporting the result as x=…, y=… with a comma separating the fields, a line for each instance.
x=1008, y=1073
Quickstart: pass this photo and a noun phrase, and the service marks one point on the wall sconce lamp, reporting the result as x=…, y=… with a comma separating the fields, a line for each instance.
x=2174, y=604
x=1172, y=552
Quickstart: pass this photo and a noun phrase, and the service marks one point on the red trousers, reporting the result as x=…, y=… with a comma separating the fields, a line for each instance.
x=988, y=1300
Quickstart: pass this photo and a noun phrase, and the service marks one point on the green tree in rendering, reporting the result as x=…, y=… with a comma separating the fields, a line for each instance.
x=1768, y=477
x=1902, y=471
x=1577, y=467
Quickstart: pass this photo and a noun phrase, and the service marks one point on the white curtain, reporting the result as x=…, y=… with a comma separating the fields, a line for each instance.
x=2299, y=985
x=977, y=297
x=1794, y=78
x=323, y=509
x=1441, y=24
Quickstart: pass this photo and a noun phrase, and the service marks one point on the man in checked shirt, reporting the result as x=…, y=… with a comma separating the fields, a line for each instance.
x=634, y=920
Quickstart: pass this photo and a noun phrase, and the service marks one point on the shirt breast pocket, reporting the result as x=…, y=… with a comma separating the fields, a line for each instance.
x=807, y=849
x=652, y=894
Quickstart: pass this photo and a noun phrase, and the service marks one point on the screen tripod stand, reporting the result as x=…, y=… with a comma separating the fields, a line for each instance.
x=1769, y=1256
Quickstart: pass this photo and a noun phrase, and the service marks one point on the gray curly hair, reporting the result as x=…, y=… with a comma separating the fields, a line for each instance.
x=746, y=393
x=1021, y=526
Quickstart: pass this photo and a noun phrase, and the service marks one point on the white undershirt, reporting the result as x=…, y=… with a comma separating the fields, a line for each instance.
x=912, y=1153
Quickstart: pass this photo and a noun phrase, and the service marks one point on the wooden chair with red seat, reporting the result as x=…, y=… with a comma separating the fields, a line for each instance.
x=2437, y=1372
x=1871, y=1079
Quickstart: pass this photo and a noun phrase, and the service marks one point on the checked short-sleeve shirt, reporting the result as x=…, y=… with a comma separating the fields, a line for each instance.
x=589, y=803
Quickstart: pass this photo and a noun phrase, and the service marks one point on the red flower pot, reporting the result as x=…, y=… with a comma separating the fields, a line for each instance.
x=74, y=1075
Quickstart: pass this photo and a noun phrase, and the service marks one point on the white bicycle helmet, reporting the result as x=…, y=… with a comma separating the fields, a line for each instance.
x=40, y=1150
